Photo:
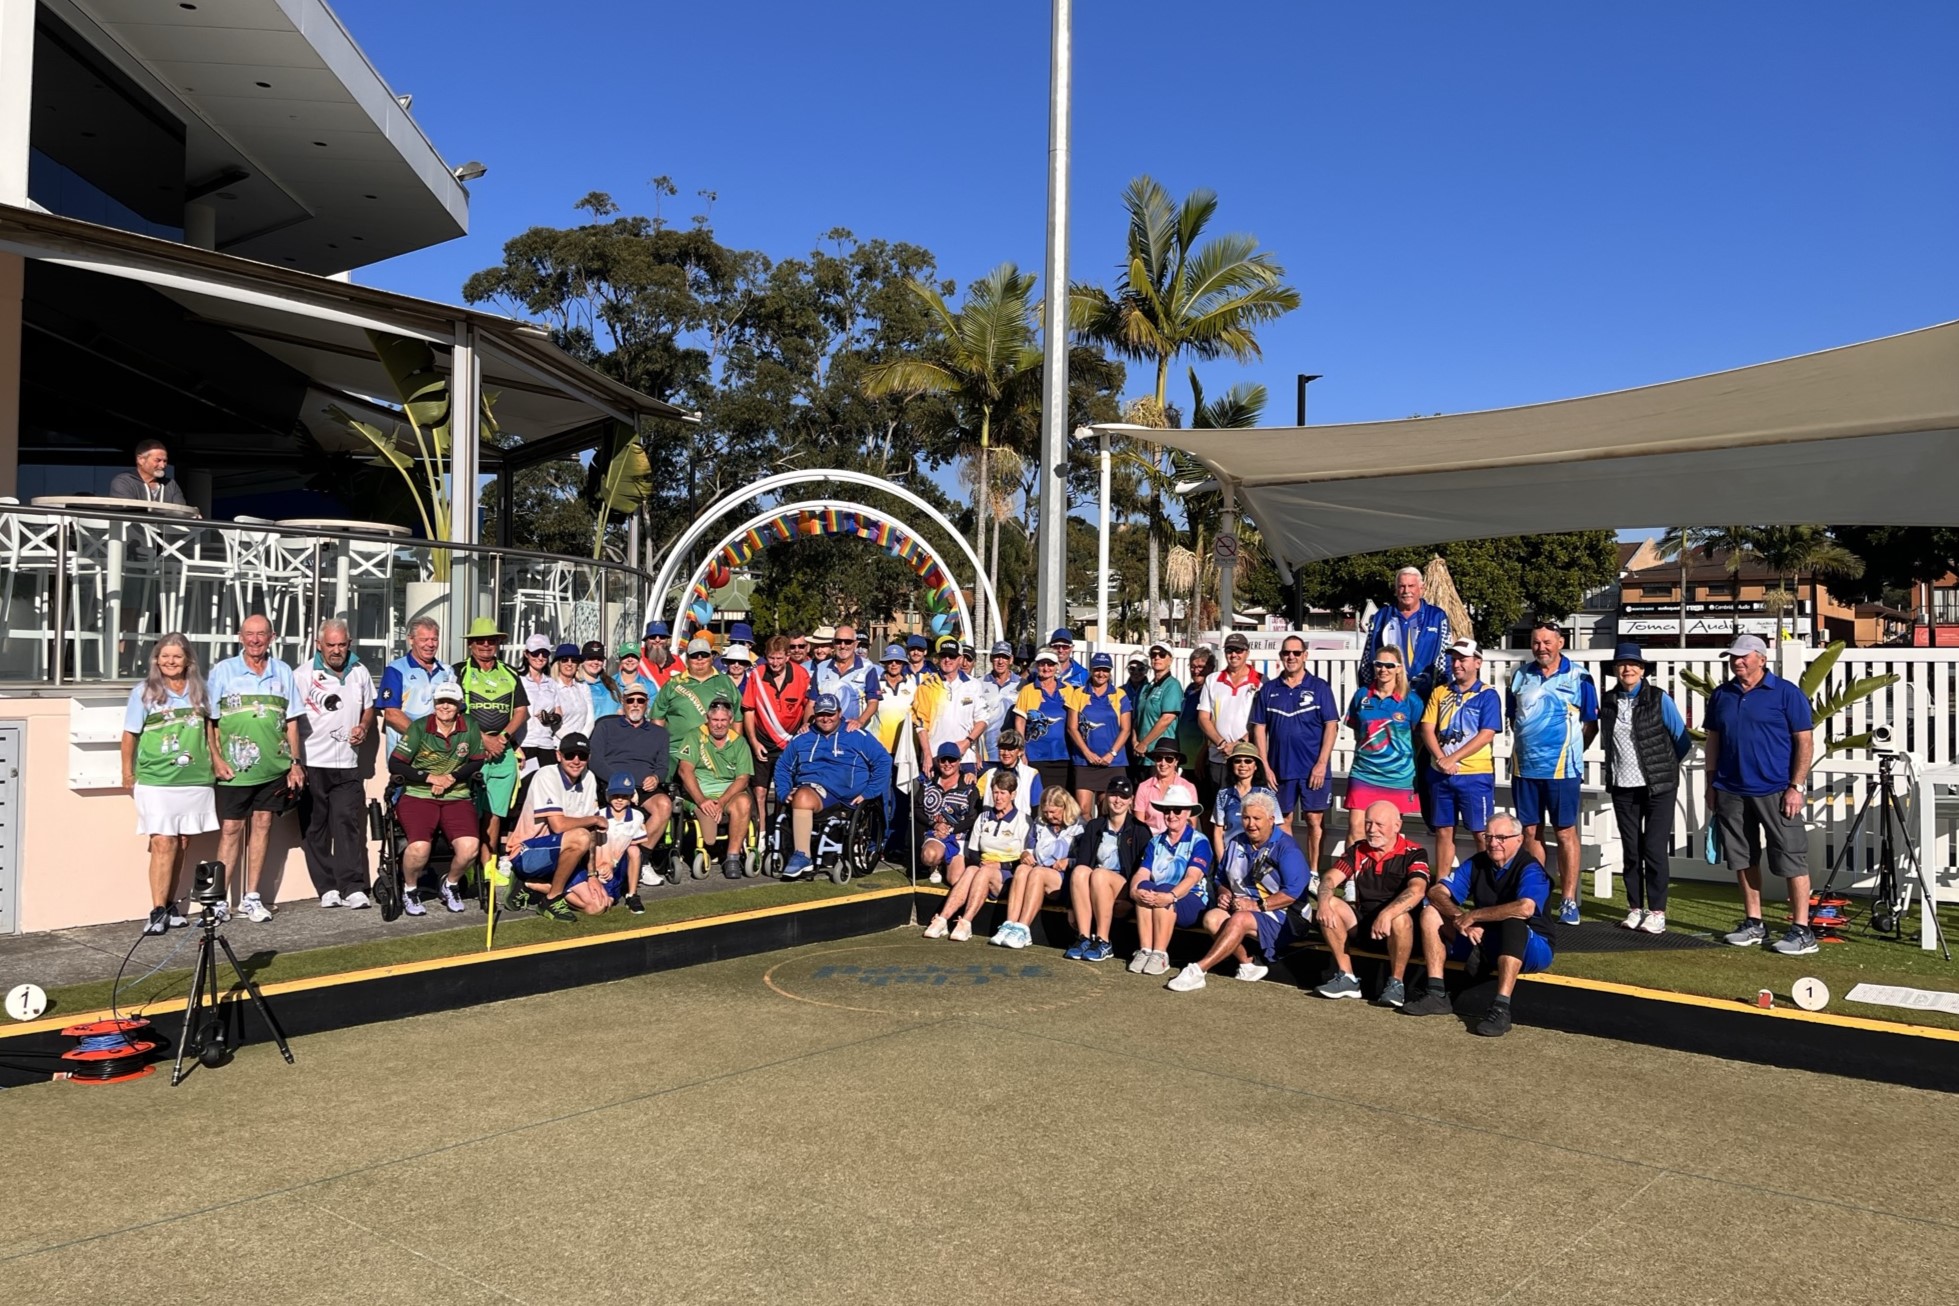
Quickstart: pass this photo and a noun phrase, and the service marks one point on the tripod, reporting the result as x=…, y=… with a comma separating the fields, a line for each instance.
x=203, y=1022
x=1891, y=899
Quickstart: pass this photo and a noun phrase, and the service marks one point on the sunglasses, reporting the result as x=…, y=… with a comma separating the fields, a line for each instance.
x=1292, y=652
x=1387, y=666
x=534, y=653
x=700, y=655
x=579, y=755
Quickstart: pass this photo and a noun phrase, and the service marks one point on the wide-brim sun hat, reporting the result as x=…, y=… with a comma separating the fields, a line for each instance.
x=485, y=628
x=1176, y=797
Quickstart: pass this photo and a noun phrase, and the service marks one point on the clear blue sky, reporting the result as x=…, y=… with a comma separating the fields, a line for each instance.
x=1480, y=205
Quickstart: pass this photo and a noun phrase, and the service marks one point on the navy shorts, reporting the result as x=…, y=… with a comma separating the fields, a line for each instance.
x=538, y=858
x=1537, y=951
x=1546, y=802
x=1468, y=799
x=1299, y=796
x=1276, y=933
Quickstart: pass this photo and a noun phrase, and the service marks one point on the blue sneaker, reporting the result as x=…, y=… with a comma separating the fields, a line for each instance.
x=1568, y=912
x=796, y=867
x=1079, y=952
x=1098, y=950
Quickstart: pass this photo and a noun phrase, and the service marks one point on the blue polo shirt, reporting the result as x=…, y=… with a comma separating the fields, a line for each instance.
x=1295, y=718
x=406, y=686
x=1758, y=729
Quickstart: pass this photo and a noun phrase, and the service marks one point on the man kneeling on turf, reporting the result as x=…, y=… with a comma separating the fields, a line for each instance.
x=822, y=766
x=555, y=832
x=1492, y=903
x=1390, y=877
x=1262, y=874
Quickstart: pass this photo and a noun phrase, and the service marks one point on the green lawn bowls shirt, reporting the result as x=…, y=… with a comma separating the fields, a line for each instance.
x=432, y=753
x=251, y=709
x=491, y=697
x=171, y=746
x=682, y=704
x=715, y=768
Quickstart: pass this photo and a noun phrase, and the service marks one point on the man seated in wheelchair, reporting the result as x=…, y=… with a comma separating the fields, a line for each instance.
x=434, y=763
x=827, y=768
x=715, y=774
x=557, y=830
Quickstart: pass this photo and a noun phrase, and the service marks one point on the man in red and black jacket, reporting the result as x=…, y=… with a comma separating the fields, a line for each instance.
x=773, y=703
x=1391, y=876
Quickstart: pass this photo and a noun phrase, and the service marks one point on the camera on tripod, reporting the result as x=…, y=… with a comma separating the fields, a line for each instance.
x=1883, y=741
x=207, y=883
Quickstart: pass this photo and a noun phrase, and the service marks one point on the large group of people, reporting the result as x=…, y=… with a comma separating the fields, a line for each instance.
x=1202, y=803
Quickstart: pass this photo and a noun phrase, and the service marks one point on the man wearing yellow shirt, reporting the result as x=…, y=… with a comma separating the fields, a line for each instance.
x=1459, y=783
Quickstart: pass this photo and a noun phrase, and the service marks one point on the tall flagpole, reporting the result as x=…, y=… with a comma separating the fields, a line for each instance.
x=1051, y=544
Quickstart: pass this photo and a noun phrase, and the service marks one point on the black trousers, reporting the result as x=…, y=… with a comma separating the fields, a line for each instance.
x=334, y=835
x=1646, y=835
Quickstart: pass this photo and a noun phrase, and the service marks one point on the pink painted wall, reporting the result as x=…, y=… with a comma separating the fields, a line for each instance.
x=81, y=860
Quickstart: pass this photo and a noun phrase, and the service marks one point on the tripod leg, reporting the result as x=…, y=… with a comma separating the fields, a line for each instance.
x=193, y=1010
x=258, y=999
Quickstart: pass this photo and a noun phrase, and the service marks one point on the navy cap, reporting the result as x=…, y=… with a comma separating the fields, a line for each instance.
x=893, y=653
x=1062, y=635
x=565, y=651
x=1101, y=661
x=620, y=786
x=947, y=644
x=658, y=630
x=1002, y=649
x=917, y=641
x=825, y=705
x=948, y=750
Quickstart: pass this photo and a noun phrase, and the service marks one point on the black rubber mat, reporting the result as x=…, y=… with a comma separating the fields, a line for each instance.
x=1601, y=936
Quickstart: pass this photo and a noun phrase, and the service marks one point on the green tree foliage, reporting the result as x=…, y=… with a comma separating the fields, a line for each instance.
x=1896, y=559
x=1500, y=580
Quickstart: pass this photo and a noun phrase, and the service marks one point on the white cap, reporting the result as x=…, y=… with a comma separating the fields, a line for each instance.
x=1178, y=795
x=738, y=653
x=538, y=643
x=1748, y=644
x=699, y=645
x=1466, y=648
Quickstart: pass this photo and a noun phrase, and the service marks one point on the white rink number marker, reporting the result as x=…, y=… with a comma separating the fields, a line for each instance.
x=1810, y=993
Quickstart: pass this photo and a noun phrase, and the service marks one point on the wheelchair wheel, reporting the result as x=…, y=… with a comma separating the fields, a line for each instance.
x=865, y=839
x=839, y=870
x=386, y=896
x=697, y=864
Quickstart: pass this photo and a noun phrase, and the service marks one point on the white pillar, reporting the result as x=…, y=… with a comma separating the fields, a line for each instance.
x=1102, y=555
x=16, y=97
x=465, y=404
x=1051, y=539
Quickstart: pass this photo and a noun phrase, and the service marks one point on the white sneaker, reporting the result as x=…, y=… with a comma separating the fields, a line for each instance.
x=355, y=900
x=1634, y=919
x=1655, y=923
x=650, y=878
x=254, y=909
x=1187, y=980
x=935, y=878
x=1022, y=936
x=1253, y=971
x=962, y=930
x=1003, y=937
x=936, y=930
x=331, y=898
x=1158, y=963
x=1140, y=960
x=411, y=903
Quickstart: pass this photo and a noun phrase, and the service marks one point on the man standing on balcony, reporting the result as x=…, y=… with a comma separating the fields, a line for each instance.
x=408, y=683
x=255, y=712
x=1416, y=627
x=338, y=696
x=151, y=480
x=494, y=698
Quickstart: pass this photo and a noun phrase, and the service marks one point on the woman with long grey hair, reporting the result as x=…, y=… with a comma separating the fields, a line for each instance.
x=166, y=766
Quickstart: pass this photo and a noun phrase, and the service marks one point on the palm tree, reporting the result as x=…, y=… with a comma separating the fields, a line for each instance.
x=990, y=360
x=1794, y=551
x=1734, y=546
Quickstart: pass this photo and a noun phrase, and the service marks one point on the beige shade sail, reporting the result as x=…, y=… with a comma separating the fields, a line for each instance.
x=1868, y=433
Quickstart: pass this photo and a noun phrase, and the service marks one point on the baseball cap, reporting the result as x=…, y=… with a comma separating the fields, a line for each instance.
x=1747, y=644
x=628, y=650
x=620, y=786
x=893, y=653
x=1466, y=648
x=574, y=743
x=448, y=690
x=1046, y=655
x=1101, y=661
x=658, y=630
x=946, y=645
x=699, y=645
x=592, y=649
x=565, y=651
x=1062, y=635
x=947, y=750
x=967, y=651
x=1120, y=788
x=917, y=641
x=539, y=643
x=825, y=705
x=1002, y=649
x=637, y=689
x=1159, y=644
x=1236, y=641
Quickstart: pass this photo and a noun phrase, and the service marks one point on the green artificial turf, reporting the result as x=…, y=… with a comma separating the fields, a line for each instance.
x=513, y=930
x=1740, y=973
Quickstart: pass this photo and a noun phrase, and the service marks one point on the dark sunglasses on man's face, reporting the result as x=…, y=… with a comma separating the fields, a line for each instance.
x=692, y=656
x=576, y=755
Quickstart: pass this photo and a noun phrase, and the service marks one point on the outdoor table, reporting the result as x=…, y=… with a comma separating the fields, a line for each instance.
x=115, y=548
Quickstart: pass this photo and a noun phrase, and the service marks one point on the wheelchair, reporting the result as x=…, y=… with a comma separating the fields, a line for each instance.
x=385, y=829
x=846, y=840
x=688, y=851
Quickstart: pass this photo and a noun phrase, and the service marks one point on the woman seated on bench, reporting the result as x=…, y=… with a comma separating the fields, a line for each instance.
x=986, y=867
x=1043, y=863
x=1172, y=886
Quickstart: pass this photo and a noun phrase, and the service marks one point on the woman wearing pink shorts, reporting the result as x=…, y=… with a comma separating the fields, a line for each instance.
x=1382, y=713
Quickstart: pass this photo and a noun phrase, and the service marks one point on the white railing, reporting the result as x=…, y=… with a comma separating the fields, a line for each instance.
x=1920, y=708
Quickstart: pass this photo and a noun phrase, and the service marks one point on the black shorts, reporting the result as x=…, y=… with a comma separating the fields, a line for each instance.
x=236, y=802
x=1095, y=779
x=1054, y=775
x=765, y=773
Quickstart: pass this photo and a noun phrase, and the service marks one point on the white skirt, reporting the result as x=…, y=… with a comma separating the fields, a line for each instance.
x=175, y=809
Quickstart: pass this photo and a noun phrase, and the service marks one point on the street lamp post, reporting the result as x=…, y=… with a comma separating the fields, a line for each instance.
x=1296, y=591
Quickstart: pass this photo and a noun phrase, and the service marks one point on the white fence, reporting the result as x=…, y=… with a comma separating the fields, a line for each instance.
x=1920, y=708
